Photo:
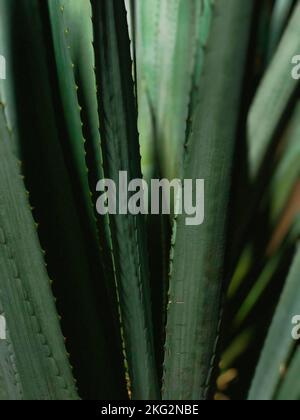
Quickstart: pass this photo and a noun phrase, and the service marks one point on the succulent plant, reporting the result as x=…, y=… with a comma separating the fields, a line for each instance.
x=122, y=306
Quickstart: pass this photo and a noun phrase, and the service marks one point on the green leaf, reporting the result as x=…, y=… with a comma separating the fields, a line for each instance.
x=171, y=37
x=237, y=348
x=287, y=173
x=7, y=88
x=121, y=152
x=279, y=343
x=33, y=358
x=274, y=95
x=205, y=10
x=73, y=39
x=272, y=266
x=277, y=190
x=147, y=16
x=198, y=255
x=176, y=50
x=64, y=42
x=280, y=15
x=74, y=20
x=72, y=255
x=290, y=390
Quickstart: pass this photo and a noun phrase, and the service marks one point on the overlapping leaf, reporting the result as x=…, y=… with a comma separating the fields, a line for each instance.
x=198, y=257
x=121, y=153
x=279, y=343
x=33, y=359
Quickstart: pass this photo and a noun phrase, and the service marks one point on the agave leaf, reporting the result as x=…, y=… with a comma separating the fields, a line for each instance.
x=73, y=33
x=131, y=18
x=287, y=172
x=238, y=346
x=269, y=113
x=242, y=269
x=273, y=97
x=178, y=25
x=198, y=255
x=205, y=14
x=63, y=42
x=35, y=345
x=280, y=15
x=121, y=152
x=271, y=267
x=147, y=16
x=10, y=386
x=171, y=38
x=277, y=191
x=7, y=89
x=289, y=390
x=279, y=343
x=78, y=280
x=76, y=23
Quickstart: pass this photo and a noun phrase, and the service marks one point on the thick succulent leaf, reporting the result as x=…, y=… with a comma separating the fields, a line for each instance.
x=290, y=389
x=273, y=97
x=171, y=37
x=7, y=88
x=179, y=21
x=198, y=254
x=147, y=16
x=33, y=358
x=76, y=23
x=64, y=50
x=73, y=33
x=204, y=9
x=277, y=191
x=121, y=152
x=279, y=344
x=272, y=266
x=287, y=172
x=280, y=15
x=131, y=19
x=236, y=348
x=78, y=280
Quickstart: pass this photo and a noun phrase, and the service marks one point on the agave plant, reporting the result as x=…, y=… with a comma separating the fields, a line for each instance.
x=122, y=306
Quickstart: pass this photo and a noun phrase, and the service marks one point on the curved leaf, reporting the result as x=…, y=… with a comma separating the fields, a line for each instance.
x=121, y=152
x=279, y=343
x=273, y=97
x=34, y=351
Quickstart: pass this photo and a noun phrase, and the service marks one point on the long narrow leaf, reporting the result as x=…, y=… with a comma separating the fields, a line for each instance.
x=280, y=15
x=73, y=261
x=121, y=151
x=198, y=255
x=290, y=389
x=171, y=38
x=279, y=343
x=273, y=97
x=34, y=351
